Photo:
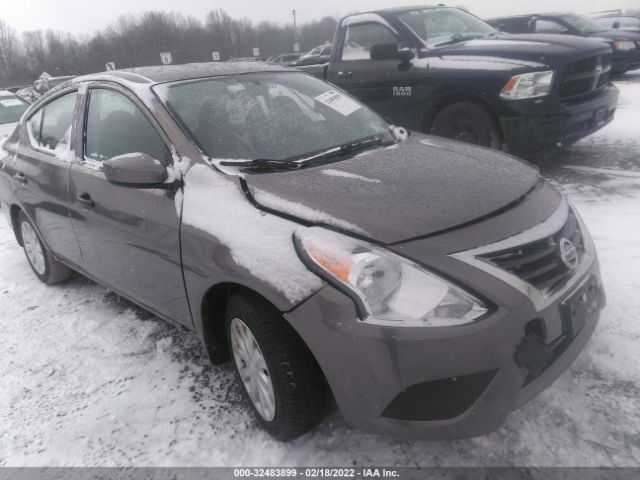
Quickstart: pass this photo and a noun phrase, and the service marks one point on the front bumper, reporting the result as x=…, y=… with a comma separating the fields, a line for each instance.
x=440, y=383
x=538, y=125
x=626, y=61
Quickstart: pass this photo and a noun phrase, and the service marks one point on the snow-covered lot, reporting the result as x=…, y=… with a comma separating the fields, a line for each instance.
x=87, y=379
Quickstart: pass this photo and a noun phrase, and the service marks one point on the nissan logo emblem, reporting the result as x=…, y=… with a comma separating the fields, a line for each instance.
x=568, y=253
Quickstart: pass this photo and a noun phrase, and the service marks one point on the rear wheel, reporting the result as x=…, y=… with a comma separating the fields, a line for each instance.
x=46, y=268
x=278, y=373
x=468, y=122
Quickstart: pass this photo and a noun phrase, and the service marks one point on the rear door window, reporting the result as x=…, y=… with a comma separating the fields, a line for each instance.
x=50, y=127
x=116, y=126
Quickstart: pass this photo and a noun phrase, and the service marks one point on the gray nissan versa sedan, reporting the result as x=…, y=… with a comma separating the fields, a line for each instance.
x=430, y=287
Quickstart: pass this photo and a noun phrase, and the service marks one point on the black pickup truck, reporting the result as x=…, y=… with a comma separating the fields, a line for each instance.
x=443, y=71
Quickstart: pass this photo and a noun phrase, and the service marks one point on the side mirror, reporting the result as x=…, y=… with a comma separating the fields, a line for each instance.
x=616, y=24
x=390, y=51
x=406, y=54
x=135, y=170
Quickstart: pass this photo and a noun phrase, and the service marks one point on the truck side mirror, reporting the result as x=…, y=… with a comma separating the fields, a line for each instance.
x=406, y=54
x=390, y=51
x=137, y=170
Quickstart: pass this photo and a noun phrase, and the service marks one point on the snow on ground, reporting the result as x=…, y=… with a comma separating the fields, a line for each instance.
x=88, y=379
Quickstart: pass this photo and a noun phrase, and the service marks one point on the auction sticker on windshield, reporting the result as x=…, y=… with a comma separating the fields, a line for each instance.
x=338, y=102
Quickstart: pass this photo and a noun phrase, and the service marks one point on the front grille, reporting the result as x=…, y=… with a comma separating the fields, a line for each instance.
x=539, y=263
x=585, y=76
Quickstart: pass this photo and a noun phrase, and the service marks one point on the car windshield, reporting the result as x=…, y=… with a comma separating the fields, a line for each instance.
x=442, y=25
x=583, y=24
x=277, y=116
x=11, y=108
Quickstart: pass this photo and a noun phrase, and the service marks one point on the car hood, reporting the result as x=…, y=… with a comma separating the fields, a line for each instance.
x=535, y=51
x=616, y=35
x=418, y=187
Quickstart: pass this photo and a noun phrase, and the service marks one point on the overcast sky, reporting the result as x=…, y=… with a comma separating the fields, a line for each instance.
x=86, y=16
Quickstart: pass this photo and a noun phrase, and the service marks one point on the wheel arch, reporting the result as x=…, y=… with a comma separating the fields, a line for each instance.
x=445, y=99
x=212, y=311
x=14, y=213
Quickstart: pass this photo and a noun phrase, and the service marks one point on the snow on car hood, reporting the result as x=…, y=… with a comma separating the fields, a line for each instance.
x=418, y=187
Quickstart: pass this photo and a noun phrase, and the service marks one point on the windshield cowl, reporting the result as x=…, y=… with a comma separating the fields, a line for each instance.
x=333, y=154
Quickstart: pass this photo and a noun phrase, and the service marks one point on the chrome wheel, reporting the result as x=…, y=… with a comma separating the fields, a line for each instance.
x=253, y=370
x=33, y=248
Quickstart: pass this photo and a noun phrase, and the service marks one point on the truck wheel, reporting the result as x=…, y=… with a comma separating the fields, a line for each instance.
x=46, y=268
x=278, y=373
x=468, y=122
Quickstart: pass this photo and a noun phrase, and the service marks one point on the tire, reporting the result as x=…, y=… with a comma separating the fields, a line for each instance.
x=468, y=122
x=46, y=268
x=296, y=380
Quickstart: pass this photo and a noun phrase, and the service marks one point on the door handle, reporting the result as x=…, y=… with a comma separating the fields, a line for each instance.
x=343, y=74
x=85, y=199
x=20, y=177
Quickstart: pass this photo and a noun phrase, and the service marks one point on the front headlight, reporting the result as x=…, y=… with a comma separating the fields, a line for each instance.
x=624, y=45
x=388, y=289
x=528, y=85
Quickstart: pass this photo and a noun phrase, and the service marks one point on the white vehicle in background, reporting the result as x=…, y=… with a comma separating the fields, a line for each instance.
x=11, y=109
x=28, y=94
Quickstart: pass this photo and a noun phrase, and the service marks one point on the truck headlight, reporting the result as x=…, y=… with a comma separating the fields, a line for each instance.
x=624, y=45
x=387, y=288
x=528, y=85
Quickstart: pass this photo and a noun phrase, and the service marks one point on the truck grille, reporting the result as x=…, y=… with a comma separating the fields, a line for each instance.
x=540, y=263
x=584, y=76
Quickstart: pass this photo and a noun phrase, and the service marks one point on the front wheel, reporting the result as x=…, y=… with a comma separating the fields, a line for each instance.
x=468, y=122
x=278, y=373
x=46, y=268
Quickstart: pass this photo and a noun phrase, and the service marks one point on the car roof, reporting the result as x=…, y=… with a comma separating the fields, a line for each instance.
x=529, y=15
x=173, y=73
x=408, y=8
x=617, y=16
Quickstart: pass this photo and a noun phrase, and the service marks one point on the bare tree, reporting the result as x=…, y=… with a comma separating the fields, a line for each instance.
x=138, y=40
x=9, y=51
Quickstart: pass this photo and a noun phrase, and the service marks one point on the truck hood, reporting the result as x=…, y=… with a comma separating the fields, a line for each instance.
x=535, y=51
x=418, y=187
x=608, y=35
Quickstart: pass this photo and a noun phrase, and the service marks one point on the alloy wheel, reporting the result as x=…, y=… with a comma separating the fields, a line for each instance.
x=253, y=370
x=33, y=248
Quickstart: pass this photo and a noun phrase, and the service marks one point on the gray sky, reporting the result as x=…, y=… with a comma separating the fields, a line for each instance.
x=86, y=16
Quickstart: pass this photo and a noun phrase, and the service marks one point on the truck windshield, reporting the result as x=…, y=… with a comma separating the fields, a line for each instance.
x=275, y=116
x=583, y=24
x=444, y=25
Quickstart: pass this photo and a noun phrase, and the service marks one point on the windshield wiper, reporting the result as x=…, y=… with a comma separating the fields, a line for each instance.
x=347, y=148
x=297, y=162
x=458, y=37
x=262, y=164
